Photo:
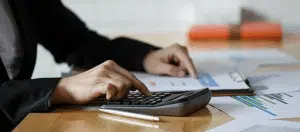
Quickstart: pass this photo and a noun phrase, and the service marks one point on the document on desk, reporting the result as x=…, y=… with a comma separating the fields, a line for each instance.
x=269, y=106
x=157, y=83
x=275, y=82
x=245, y=61
x=256, y=125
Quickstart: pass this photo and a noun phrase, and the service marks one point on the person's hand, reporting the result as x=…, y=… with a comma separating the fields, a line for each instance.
x=173, y=61
x=107, y=79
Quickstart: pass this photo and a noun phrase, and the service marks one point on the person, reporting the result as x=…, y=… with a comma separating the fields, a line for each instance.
x=27, y=23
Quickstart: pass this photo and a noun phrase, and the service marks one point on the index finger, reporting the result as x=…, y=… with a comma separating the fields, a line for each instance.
x=137, y=84
x=187, y=61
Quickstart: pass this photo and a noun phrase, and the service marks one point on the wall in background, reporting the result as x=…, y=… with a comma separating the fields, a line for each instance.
x=110, y=16
x=284, y=11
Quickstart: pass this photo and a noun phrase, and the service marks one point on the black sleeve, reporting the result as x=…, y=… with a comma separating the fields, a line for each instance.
x=69, y=40
x=21, y=97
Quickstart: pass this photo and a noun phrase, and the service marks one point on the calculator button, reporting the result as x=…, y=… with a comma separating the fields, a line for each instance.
x=162, y=95
x=156, y=97
x=167, y=93
x=141, y=100
x=146, y=102
x=139, y=97
x=153, y=102
x=151, y=99
x=153, y=95
x=158, y=100
x=148, y=97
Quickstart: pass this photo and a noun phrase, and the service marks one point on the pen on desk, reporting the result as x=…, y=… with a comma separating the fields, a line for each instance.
x=131, y=115
x=128, y=121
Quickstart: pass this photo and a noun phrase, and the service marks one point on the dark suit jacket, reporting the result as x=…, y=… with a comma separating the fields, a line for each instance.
x=51, y=24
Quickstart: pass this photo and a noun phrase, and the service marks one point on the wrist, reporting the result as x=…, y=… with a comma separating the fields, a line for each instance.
x=59, y=95
x=147, y=59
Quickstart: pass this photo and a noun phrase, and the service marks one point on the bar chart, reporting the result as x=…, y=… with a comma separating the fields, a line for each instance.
x=267, y=106
x=206, y=80
x=266, y=103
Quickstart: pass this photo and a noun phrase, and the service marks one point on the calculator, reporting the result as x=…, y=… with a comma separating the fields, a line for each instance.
x=162, y=103
x=159, y=103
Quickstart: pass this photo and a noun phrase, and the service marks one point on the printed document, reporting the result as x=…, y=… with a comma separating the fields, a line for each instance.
x=227, y=81
x=275, y=82
x=245, y=61
x=268, y=106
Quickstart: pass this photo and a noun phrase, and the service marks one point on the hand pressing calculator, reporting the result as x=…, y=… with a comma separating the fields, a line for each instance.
x=162, y=103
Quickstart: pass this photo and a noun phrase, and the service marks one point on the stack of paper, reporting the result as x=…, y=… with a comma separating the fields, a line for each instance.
x=245, y=61
x=277, y=96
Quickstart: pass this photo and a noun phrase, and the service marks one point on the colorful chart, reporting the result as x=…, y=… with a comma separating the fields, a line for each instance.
x=207, y=80
x=262, y=102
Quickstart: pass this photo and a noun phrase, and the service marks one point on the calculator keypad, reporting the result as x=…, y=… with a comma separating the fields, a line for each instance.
x=140, y=99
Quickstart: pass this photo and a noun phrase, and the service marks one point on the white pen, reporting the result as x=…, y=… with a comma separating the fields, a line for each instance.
x=129, y=121
x=131, y=115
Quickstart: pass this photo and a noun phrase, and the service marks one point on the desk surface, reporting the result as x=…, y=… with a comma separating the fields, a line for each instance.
x=72, y=121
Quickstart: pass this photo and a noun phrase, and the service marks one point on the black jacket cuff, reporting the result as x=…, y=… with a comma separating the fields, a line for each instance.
x=135, y=52
x=26, y=96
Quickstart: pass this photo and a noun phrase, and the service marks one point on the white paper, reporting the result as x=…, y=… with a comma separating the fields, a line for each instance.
x=271, y=106
x=204, y=80
x=168, y=84
x=275, y=82
x=257, y=125
x=245, y=61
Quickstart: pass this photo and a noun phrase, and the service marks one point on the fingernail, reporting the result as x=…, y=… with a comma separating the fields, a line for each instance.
x=195, y=75
x=108, y=97
x=181, y=73
x=148, y=93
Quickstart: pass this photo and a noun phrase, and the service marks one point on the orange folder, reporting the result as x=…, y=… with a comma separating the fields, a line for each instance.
x=260, y=30
x=198, y=32
x=248, y=30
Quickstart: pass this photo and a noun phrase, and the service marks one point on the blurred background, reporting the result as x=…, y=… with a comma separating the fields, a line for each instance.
x=136, y=16
x=140, y=18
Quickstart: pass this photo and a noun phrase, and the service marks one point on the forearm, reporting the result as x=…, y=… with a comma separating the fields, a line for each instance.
x=126, y=52
x=69, y=40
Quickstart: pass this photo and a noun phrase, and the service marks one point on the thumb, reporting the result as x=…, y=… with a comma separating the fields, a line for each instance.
x=104, y=88
x=171, y=70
